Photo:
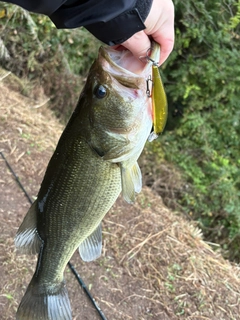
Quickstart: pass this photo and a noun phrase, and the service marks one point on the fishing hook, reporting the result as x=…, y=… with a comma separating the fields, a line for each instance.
x=146, y=59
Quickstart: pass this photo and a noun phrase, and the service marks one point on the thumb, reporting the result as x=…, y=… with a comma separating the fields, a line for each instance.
x=138, y=44
x=166, y=45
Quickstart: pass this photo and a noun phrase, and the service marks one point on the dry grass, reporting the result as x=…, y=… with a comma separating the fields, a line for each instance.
x=29, y=116
x=162, y=177
x=185, y=277
x=28, y=127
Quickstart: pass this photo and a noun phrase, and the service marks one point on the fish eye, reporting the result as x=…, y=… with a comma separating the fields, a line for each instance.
x=100, y=91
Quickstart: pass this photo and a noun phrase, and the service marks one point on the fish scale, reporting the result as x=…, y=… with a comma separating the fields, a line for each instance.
x=96, y=200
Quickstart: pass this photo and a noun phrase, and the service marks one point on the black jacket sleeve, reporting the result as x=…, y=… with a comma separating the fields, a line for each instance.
x=111, y=21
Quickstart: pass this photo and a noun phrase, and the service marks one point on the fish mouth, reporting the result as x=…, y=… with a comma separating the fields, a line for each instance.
x=126, y=68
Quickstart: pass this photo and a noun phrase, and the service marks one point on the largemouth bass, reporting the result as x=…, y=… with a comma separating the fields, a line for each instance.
x=95, y=159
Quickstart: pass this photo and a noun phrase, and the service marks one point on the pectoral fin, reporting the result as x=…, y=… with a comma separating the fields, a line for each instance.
x=131, y=182
x=27, y=240
x=91, y=248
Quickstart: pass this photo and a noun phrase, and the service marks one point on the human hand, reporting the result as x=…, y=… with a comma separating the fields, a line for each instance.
x=159, y=26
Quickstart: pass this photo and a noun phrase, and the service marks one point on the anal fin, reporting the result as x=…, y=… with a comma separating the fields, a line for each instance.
x=91, y=248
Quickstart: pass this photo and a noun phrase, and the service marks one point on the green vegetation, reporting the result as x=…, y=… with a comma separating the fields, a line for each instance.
x=202, y=80
x=31, y=46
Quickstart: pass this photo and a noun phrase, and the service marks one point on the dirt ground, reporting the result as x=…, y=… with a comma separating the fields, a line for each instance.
x=154, y=265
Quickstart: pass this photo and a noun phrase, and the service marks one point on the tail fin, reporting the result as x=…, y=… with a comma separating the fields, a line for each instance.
x=45, y=303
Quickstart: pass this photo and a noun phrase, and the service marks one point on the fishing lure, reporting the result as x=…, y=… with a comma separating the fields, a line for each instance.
x=159, y=100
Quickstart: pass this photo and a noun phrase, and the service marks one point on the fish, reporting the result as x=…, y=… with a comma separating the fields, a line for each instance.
x=94, y=161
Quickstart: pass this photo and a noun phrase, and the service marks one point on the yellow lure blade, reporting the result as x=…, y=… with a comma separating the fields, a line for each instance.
x=3, y=13
x=159, y=102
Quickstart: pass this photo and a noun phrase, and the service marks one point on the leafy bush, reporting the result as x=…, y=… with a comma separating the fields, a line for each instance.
x=31, y=46
x=203, y=77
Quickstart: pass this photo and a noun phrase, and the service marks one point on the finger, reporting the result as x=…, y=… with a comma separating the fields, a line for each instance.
x=138, y=44
x=160, y=26
x=166, y=45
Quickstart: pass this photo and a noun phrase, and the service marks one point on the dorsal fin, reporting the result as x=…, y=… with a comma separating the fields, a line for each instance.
x=27, y=240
